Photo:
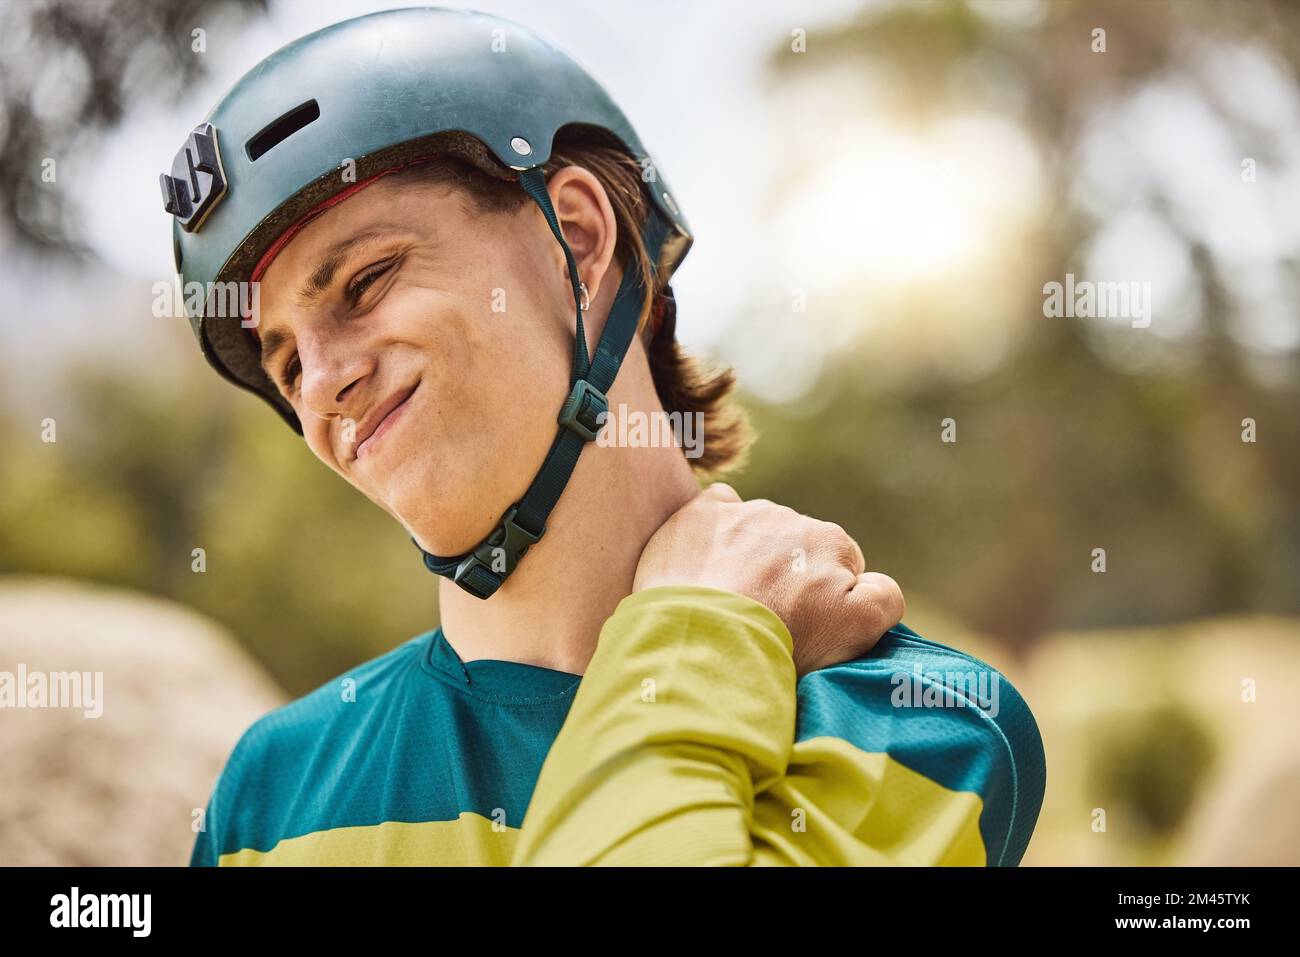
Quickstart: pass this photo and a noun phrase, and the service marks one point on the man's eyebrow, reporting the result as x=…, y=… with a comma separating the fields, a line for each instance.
x=323, y=275
x=320, y=281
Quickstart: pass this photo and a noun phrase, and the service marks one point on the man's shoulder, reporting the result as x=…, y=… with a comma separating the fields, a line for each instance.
x=268, y=758
x=293, y=728
x=256, y=791
x=907, y=674
x=942, y=713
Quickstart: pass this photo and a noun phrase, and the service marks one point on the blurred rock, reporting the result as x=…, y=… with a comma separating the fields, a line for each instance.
x=1249, y=813
x=1235, y=678
x=121, y=788
x=1251, y=820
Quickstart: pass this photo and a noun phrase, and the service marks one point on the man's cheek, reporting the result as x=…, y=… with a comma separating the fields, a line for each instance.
x=318, y=441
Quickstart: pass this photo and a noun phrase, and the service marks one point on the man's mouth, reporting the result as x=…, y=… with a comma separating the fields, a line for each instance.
x=382, y=419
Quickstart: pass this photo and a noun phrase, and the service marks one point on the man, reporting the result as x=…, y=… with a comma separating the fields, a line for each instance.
x=447, y=219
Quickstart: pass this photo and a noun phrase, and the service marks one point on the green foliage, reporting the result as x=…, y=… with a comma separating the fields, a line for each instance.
x=139, y=478
x=1148, y=768
x=999, y=526
x=1083, y=436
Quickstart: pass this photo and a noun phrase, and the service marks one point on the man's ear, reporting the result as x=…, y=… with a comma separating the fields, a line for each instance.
x=587, y=220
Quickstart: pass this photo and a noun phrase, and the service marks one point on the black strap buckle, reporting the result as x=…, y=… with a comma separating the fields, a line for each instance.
x=583, y=409
x=484, y=569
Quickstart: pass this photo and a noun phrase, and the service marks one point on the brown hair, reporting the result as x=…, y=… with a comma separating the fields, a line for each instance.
x=684, y=384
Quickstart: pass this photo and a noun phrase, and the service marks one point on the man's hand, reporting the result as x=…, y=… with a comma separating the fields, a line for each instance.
x=809, y=572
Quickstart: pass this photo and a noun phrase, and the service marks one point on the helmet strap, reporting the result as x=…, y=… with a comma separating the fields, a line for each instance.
x=483, y=569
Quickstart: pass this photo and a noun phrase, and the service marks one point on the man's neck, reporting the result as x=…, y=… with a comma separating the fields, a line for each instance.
x=550, y=611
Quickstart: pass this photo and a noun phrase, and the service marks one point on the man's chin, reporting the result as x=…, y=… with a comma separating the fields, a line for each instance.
x=416, y=493
x=429, y=527
x=444, y=535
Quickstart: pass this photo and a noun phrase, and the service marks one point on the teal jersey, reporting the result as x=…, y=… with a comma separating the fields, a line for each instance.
x=416, y=757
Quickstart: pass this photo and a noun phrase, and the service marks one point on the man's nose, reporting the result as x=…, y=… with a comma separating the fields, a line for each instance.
x=332, y=366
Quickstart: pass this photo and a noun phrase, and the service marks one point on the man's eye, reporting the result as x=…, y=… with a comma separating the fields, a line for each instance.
x=367, y=279
x=290, y=374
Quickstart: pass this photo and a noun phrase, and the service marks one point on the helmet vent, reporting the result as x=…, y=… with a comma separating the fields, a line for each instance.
x=280, y=130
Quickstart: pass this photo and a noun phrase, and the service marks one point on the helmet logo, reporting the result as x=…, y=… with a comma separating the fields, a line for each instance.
x=197, y=181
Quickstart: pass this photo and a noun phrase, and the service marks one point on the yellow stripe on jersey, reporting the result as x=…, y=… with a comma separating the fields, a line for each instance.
x=470, y=840
x=840, y=806
x=817, y=814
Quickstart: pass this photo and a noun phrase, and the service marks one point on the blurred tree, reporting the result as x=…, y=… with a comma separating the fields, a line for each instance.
x=69, y=71
x=1147, y=768
x=131, y=489
x=1067, y=445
